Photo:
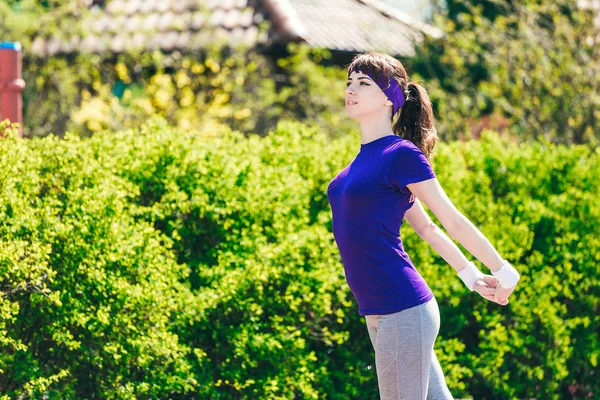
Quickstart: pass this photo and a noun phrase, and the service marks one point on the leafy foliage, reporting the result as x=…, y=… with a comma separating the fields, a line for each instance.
x=531, y=68
x=157, y=263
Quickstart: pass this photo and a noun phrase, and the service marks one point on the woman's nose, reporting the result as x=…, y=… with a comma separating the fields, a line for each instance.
x=350, y=90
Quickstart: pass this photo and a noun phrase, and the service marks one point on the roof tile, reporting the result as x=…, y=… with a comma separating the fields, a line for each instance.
x=151, y=21
x=186, y=19
x=201, y=39
x=228, y=4
x=169, y=40
x=134, y=24
x=118, y=23
x=181, y=7
x=138, y=40
x=163, y=6
x=198, y=20
x=212, y=4
x=53, y=46
x=165, y=21
x=246, y=17
x=100, y=24
x=147, y=6
x=132, y=7
x=38, y=46
x=216, y=18
x=155, y=41
x=114, y=7
x=231, y=19
x=183, y=40
x=118, y=43
x=180, y=23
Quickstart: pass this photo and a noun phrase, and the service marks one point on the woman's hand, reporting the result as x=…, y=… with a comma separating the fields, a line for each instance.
x=501, y=294
x=488, y=287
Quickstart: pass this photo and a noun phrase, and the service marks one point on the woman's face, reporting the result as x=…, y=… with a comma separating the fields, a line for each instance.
x=364, y=97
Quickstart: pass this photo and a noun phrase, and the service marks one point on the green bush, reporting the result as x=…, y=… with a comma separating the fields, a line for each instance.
x=91, y=297
x=176, y=264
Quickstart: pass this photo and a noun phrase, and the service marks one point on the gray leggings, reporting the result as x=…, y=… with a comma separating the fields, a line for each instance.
x=407, y=368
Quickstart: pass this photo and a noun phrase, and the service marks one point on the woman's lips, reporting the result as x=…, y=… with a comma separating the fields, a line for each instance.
x=351, y=103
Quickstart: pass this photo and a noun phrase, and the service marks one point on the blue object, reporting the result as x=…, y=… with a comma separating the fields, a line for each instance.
x=119, y=89
x=10, y=46
x=368, y=200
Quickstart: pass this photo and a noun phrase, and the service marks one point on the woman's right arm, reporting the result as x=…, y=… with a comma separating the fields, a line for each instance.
x=427, y=230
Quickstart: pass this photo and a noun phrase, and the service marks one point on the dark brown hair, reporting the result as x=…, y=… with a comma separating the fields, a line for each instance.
x=415, y=120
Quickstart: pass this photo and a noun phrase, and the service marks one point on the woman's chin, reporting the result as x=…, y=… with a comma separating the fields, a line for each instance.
x=352, y=113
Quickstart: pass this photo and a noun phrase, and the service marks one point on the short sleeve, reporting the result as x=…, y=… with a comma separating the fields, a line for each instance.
x=409, y=165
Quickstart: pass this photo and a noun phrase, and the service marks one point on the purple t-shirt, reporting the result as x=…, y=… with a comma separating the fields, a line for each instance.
x=368, y=201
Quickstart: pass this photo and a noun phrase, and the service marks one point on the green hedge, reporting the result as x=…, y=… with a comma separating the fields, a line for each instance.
x=153, y=263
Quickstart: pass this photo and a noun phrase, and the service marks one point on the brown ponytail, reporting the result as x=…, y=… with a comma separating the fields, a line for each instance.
x=415, y=121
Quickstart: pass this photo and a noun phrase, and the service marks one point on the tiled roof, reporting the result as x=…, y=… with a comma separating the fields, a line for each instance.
x=357, y=25
x=166, y=24
x=348, y=25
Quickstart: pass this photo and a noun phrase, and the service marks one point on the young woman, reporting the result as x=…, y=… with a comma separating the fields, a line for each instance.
x=384, y=184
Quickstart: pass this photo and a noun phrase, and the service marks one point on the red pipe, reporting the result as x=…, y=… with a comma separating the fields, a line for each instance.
x=11, y=84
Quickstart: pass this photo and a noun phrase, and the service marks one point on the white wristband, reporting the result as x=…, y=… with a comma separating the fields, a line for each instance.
x=470, y=274
x=507, y=275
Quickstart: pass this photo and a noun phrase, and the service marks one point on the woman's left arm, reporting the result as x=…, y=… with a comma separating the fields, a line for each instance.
x=458, y=226
x=419, y=220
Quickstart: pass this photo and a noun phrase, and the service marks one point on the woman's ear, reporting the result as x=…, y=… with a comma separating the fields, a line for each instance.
x=388, y=103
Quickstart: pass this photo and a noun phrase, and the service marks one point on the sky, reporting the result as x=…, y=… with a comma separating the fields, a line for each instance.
x=418, y=8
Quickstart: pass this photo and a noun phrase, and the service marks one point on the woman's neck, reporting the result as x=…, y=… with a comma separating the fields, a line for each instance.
x=374, y=128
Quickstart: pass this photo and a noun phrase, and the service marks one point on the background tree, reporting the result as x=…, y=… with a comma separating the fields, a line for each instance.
x=530, y=68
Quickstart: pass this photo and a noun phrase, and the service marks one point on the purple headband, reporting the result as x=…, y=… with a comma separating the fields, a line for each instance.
x=392, y=90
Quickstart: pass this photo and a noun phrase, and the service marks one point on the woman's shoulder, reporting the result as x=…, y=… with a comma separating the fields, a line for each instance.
x=402, y=147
